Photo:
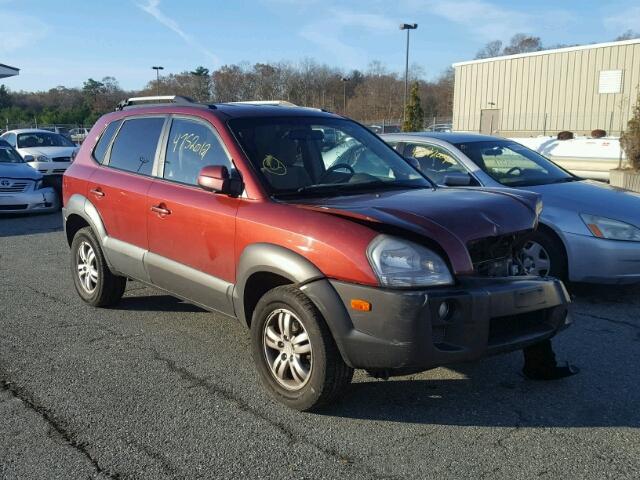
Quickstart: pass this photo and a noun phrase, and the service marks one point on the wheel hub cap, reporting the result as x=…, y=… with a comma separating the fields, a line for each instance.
x=535, y=259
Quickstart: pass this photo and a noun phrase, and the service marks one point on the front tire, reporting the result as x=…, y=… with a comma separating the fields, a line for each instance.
x=543, y=255
x=92, y=278
x=295, y=354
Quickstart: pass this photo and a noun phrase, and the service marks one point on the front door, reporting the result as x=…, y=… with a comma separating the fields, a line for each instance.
x=119, y=189
x=191, y=230
x=490, y=121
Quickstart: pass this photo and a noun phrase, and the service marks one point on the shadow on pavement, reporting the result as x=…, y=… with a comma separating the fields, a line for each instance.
x=30, y=224
x=493, y=393
x=156, y=303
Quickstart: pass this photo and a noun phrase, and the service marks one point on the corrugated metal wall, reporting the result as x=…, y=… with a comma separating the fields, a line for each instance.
x=549, y=91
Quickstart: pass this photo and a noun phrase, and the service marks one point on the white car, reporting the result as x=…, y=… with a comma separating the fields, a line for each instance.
x=49, y=153
x=78, y=134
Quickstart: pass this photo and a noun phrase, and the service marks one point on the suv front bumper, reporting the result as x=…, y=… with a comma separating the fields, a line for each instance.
x=404, y=330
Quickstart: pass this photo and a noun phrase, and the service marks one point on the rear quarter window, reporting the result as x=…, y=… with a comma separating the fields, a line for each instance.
x=100, y=152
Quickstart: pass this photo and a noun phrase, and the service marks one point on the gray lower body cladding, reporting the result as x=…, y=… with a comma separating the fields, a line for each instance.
x=404, y=330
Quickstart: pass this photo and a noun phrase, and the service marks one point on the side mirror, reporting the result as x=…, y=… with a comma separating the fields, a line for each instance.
x=457, y=179
x=216, y=178
x=29, y=158
x=413, y=161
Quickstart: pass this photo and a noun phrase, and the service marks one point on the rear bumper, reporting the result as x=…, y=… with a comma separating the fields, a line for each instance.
x=42, y=200
x=404, y=332
x=596, y=260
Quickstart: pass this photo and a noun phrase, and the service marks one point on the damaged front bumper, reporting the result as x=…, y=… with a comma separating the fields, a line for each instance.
x=411, y=330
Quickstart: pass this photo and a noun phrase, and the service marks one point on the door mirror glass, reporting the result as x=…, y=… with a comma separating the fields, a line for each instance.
x=457, y=179
x=216, y=178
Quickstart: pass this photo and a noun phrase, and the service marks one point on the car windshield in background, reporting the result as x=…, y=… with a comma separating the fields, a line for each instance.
x=302, y=156
x=8, y=155
x=43, y=139
x=512, y=164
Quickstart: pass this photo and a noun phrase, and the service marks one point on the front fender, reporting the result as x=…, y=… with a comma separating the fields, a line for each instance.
x=271, y=258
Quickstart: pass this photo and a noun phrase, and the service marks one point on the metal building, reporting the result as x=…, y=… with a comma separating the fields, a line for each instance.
x=575, y=88
x=7, y=71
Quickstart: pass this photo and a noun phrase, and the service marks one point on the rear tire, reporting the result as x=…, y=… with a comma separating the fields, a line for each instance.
x=92, y=278
x=294, y=352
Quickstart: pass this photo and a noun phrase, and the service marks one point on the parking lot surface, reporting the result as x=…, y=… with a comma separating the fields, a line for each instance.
x=157, y=388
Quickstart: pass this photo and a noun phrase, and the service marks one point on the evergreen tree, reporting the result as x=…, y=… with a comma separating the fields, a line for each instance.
x=414, y=120
x=630, y=139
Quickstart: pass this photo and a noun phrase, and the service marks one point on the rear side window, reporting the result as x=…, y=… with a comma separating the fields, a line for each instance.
x=103, y=144
x=192, y=145
x=135, y=146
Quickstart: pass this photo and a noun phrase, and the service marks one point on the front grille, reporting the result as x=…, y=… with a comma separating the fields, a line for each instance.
x=13, y=207
x=61, y=159
x=13, y=186
x=493, y=256
x=59, y=170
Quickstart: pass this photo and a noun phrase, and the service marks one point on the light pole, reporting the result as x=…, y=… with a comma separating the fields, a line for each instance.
x=344, y=81
x=408, y=27
x=157, y=69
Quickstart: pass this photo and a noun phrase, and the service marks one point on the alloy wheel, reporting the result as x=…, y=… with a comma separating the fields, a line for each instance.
x=287, y=349
x=87, y=267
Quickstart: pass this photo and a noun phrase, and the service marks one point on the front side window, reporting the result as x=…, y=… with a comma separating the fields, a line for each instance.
x=100, y=151
x=134, y=148
x=9, y=155
x=435, y=162
x=43, y=139
x=512, y=164
x=192, y=145
x=302, y=155
x=10, y=138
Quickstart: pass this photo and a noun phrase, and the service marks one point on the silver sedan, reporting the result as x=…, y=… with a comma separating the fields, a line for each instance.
x=589, y=231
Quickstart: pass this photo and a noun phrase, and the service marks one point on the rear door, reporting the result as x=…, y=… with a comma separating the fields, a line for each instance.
x=119, y=190
x=191, y=230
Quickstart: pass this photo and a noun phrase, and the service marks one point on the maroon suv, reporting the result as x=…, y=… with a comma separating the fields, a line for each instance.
x=323, y=241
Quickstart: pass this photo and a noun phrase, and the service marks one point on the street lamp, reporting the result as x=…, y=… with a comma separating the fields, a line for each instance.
x=408, y=27
x=157, y=69
x=344, y=81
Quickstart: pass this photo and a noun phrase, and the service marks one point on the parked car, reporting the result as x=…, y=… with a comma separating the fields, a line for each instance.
x=78, y=134
x=64, y=131
x=47, y=152
x=439, y=127
x=21, y=187
x=231, y=207
x=589, y=231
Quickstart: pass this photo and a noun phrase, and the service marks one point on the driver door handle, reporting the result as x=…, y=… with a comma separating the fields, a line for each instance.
x=97, y=192
x=161, y=209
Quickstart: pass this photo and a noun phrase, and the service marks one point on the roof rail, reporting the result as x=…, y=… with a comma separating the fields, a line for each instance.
x=159, y=100
x=280, y=103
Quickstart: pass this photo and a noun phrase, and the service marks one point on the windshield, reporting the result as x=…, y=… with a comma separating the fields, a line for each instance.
x=43, y=139
x=300, y=156
x=9, y=155
x=512, y=164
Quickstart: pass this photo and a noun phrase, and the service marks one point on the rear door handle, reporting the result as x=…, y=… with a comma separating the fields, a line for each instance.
x=97, y=192
x=161, y=210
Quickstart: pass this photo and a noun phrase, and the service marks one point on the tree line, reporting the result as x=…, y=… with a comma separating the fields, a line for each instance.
x=369, y=95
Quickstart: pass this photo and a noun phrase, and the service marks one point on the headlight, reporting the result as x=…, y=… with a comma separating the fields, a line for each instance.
x=603, y=227
x=400, y=263
x=42, y=158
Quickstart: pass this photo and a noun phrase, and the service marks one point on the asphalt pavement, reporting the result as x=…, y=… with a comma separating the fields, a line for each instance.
x=157, y=388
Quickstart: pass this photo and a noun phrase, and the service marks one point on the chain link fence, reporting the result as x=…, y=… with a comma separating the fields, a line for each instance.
x=394, y=125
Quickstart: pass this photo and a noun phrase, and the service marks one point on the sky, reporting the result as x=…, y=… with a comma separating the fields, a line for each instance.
x=64, y=43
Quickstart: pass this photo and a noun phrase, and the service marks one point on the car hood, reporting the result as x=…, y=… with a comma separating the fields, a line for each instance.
x=451, y=217
x=48, y=151
x=18, y=170
x=592, y=197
